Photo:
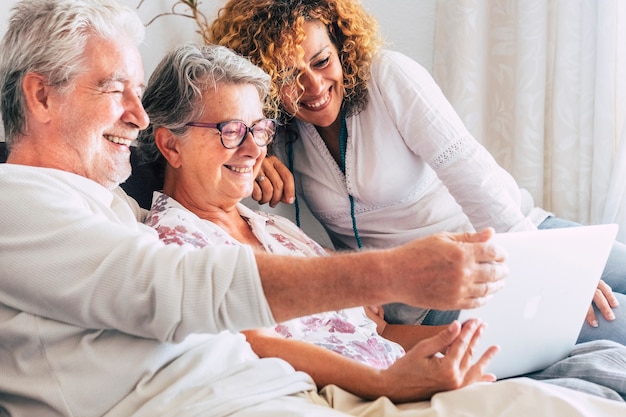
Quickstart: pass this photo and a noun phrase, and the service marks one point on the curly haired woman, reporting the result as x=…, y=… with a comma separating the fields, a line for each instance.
x=378, y=154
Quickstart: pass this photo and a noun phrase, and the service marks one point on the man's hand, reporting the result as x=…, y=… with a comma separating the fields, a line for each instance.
x=274, y=183
x=447, y=271
x=424, y=371
x=444, y=272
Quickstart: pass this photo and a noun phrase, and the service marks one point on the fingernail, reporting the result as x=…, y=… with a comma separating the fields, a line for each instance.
x=594, y=323
x=291, y=200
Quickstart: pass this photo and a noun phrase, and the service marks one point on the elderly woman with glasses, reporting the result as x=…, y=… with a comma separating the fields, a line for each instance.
x=209, y=136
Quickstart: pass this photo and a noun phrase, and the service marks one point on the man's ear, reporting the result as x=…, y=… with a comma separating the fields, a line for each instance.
x=37, y=91
x=168, y=145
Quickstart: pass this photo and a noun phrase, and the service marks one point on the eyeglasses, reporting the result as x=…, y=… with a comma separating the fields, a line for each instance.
x=233, y=133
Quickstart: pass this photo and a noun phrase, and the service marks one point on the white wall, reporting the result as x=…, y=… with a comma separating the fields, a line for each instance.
x=407, y=26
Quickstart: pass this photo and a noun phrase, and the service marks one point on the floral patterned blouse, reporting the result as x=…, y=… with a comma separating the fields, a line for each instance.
x=348, y=332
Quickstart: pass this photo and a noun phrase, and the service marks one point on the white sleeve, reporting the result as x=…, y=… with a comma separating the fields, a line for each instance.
x=429, y=125
x=94, y=266
x=140, y=213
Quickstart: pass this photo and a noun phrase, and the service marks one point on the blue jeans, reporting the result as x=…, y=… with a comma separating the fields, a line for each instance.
x=614, y=275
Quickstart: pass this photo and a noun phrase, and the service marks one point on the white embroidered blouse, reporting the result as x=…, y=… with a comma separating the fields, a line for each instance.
x=411, y=166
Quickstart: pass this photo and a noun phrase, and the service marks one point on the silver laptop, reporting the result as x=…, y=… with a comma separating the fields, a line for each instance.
x=537, y=316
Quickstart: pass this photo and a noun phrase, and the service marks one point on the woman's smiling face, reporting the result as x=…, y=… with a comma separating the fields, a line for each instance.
x=321, y=76
x=206, y=168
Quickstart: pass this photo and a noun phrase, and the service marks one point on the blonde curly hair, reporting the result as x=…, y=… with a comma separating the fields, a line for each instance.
x=270, y=33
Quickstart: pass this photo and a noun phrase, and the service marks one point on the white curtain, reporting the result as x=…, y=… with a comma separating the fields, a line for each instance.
x=542, y=84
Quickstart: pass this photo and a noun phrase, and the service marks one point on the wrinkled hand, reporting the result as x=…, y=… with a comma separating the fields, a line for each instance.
x=447, y=271
x=423, y=371
x=274, y=183
x=605, y=301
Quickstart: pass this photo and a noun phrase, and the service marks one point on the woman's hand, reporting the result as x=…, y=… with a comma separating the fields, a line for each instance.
x=605, y=301
x=423, y=371
x=274, y=183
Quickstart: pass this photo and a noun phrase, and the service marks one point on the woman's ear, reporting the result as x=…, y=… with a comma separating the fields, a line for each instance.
x=36, y=92
x=168, y=145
